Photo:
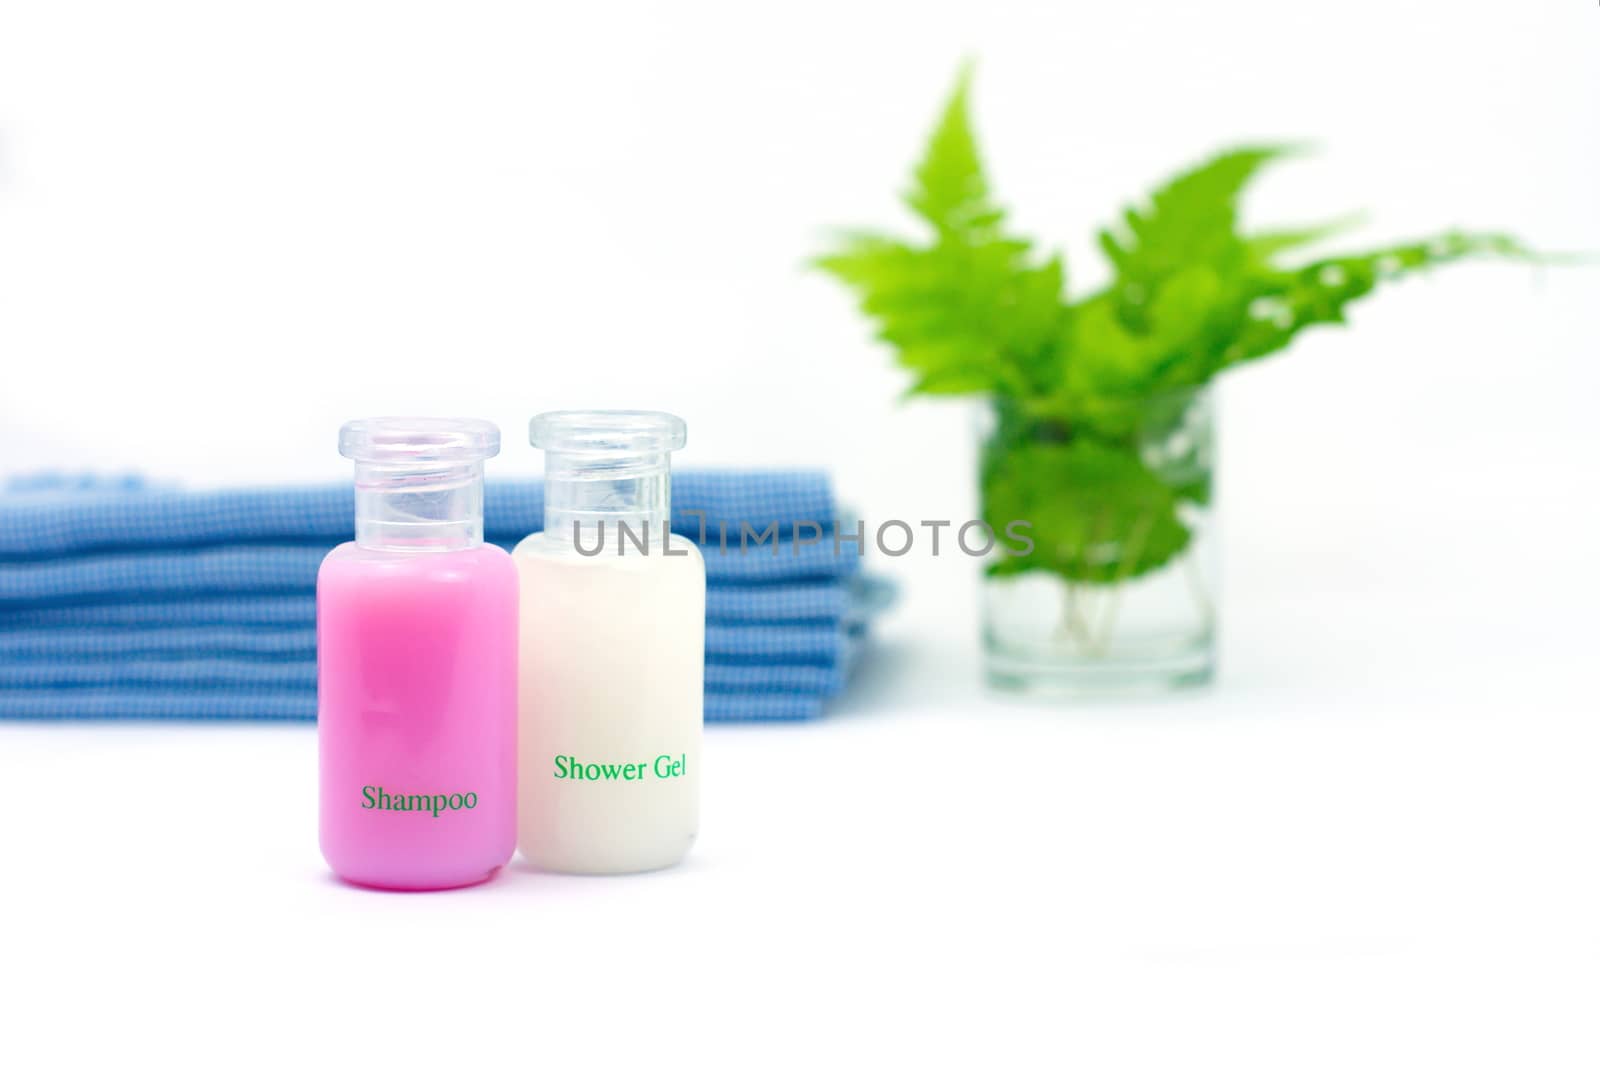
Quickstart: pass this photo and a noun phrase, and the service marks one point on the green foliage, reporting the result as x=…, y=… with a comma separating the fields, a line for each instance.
x=951, y=192
x=1083, y=386
x=1118, y=520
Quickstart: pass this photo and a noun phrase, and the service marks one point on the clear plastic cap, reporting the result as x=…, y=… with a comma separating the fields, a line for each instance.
x=606, y=467
x=419, y=481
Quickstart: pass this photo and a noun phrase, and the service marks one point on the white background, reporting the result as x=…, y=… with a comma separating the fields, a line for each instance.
x=226, y=228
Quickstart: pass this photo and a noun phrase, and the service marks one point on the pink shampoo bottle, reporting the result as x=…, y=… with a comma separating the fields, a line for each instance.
x=417, y=665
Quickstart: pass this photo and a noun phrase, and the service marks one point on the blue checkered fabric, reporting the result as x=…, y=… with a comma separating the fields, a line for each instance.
x=119, y=599
x=126, y=515
x=246, y=704
x=809, y=602
x=809, y=644
x=91, y=644
x=280, y=568
x=216, y=672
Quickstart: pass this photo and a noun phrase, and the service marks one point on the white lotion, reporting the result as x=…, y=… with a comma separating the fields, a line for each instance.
x=612, y=652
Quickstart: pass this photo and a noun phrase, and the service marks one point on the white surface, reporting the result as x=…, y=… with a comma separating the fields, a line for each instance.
x=1356, y=868
x=222, y=232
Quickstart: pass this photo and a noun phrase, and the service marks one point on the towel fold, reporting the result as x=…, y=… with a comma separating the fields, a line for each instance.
x=734, y=644
x=815, y=601
x=155, y=643
x=244, y=704
x=269, y=568
x=124, y=514
x=120, y=600
x=215, y=672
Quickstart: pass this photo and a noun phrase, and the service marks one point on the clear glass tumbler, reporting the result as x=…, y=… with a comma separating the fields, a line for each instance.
x=1120, y=588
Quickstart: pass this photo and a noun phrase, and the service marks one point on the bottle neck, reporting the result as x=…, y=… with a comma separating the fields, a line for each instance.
x=436, y=508
x=587, y=495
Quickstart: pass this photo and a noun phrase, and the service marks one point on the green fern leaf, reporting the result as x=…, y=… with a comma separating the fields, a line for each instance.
x=950, y=190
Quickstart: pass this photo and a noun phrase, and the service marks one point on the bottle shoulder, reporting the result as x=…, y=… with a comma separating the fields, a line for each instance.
x=689, y=547
x=489, y=561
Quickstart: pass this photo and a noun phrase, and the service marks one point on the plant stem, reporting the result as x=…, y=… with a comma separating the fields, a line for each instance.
x=1130, y=559
x=1073, y=626
x=1197, y=587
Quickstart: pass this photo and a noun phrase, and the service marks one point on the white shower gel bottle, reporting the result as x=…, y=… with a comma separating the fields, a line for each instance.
x=612, y=652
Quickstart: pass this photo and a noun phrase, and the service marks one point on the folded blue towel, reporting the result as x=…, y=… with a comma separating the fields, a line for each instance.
x=99, y=643
x=126, y=515
x=245, y=704
x=270, y=568
x=119, y=599
x=823, y=602
x=215, y=672
x=734, y=644
x=256, y=675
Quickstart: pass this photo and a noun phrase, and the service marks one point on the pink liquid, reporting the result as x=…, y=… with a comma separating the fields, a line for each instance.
x=417, y=696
